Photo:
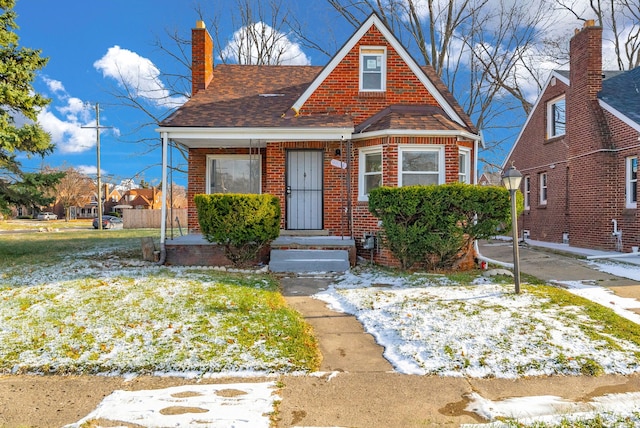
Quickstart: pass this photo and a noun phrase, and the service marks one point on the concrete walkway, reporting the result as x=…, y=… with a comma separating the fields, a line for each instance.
x=366, y=393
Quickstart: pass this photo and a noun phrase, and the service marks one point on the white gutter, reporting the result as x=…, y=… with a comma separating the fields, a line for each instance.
x=261, y=134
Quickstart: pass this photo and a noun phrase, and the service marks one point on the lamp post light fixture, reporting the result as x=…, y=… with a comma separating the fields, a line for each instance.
x=511, y=179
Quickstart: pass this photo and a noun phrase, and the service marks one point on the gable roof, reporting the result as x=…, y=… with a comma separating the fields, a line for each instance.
x=439, y=92
x=249, y=103
x=620, y=95
x=250, y=96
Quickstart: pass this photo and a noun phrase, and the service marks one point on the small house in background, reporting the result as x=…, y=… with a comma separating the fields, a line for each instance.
x=320, y=138
x=141, y=199
x=578, y=153
x=490, y=179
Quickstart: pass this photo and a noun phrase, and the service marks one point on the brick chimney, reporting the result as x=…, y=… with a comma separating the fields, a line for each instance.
x=201, y=58
x=585, y=60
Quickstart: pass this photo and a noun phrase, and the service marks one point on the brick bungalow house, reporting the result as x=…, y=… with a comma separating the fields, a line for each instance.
x=320, y=138
x=578, y=153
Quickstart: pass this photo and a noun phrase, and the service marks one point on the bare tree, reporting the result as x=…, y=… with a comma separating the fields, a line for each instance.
x=74, y=189
x=621, y=17
x=486, y=52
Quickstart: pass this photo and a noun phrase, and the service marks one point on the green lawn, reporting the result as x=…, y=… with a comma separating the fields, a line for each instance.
x=85, y=302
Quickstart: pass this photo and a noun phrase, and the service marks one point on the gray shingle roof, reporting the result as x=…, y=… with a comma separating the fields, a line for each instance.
x=622, y=92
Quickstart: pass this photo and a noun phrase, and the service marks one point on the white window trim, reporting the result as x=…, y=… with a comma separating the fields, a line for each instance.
x=361, y=170
x=526, y=190
x=629, y=183
x=550, y=105
x=544, y=185
x=367, y=50
x=236, y=156
x=467, y=160
x=426, y=148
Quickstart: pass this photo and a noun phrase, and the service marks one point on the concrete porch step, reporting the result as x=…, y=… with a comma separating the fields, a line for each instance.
x=312, y=260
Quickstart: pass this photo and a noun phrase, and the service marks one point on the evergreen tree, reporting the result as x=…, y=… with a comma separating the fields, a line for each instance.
x=19, y=107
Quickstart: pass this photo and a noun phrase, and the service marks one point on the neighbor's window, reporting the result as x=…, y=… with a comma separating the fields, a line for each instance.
x=233, y=174
x=556, y=117
x=421, y=165
x=370, y=171
x=372, y=69
x=526, y=189
x=464, y=166
x=632, y=182
x=543, y=188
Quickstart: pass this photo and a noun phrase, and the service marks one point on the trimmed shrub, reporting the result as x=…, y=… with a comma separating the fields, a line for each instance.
x=242, y=223
x=436, y=225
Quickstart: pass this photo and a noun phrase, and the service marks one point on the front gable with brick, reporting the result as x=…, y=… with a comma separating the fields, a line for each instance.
x=578, y=153
x=320, y=138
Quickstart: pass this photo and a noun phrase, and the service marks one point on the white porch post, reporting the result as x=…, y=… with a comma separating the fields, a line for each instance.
x=163, y=218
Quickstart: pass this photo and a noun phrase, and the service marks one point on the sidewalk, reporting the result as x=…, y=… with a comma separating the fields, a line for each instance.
x=358, y=389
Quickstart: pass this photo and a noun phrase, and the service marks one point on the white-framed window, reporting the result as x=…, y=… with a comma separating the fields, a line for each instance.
x=543, y=188
x=420, y=165
x=556, y=117
x=464, y=165
x=631, y=181
x=526, y=190
x=370, y=171
x=373, y=69
x=234, y=173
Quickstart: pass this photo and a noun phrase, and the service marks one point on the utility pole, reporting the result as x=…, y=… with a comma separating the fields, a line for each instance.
x=98, y=177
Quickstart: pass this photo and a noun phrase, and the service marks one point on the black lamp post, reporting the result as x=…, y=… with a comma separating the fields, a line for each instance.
x=511, y=180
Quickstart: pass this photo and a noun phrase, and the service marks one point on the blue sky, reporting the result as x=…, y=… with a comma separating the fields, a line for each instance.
x=91, y=43
x=75, y=35
x=88, y=44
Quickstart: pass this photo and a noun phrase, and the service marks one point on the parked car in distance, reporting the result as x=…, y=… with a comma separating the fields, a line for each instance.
x=47, y=216
x=109, y=222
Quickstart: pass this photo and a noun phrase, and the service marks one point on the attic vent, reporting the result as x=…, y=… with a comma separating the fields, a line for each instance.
x=272, y=95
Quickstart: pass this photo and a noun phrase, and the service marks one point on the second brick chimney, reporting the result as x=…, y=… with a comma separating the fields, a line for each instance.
x=585, y=52
x=201, y=58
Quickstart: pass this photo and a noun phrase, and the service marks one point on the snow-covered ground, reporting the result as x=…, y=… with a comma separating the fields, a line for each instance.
x=427, y=326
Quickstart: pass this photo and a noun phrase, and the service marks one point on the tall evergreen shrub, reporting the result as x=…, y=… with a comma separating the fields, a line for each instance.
x=436, y=225
x=242, y=223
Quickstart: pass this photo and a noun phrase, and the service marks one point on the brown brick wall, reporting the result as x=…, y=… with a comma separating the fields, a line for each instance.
x=586, y=168
x=197, y=165
x=339, y=93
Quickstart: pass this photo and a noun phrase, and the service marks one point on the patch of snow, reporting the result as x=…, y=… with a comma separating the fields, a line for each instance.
x=222, y=405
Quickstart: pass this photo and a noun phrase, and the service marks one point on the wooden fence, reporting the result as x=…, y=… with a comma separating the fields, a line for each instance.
x=140, y=219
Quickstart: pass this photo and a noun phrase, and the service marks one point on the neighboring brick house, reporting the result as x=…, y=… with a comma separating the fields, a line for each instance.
x=578, y=153
x=320, y=138
x=142, y=199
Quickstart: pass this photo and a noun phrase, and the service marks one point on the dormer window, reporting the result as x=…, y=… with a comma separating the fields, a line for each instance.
x=373, y=69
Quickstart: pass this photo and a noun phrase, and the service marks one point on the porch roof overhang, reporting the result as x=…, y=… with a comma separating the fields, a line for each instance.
x=207, y=137
x=417, y=133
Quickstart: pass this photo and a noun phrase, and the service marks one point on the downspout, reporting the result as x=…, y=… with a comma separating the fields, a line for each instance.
x=163, y=216
x=349, y=189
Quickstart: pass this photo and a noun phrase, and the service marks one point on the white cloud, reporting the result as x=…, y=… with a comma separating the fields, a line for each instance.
x=89, y=170
x=67, y=134
x=282, y=50
x=54, y=85
x=138, y=75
